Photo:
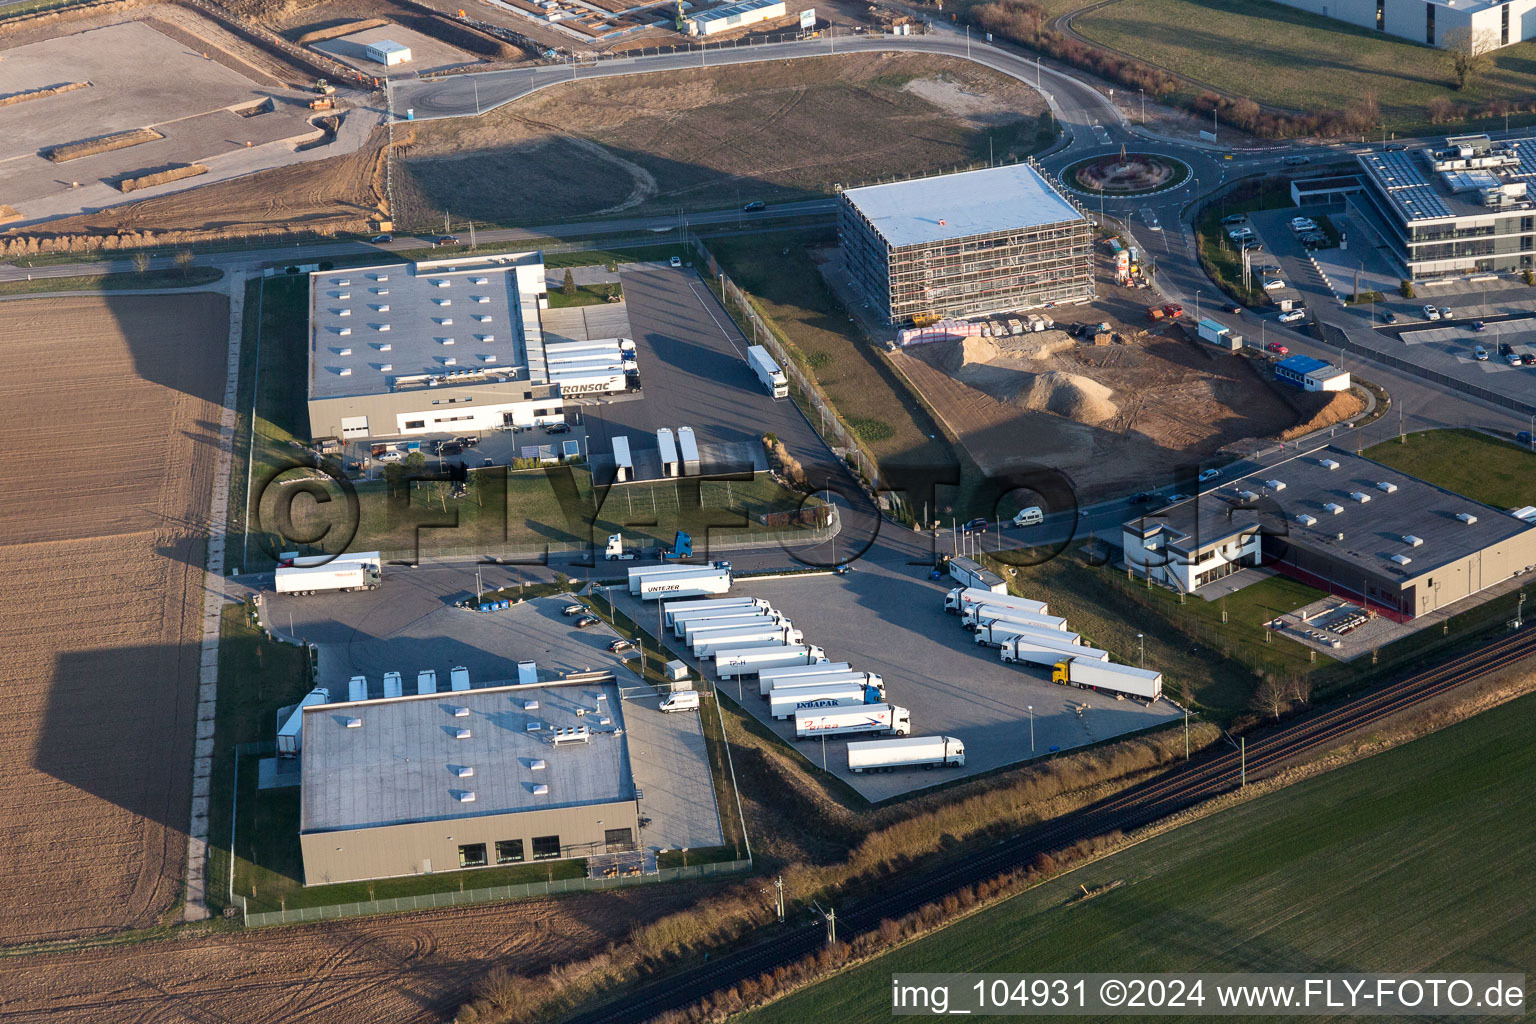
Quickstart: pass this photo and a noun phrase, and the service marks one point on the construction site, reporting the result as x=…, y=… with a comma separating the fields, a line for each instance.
x=1115, y=402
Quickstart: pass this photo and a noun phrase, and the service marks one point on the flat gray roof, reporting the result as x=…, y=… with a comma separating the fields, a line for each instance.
x=1418, y=192
x=1373, y=531
x=369, y=326
x=961, y=205
x=401, y=764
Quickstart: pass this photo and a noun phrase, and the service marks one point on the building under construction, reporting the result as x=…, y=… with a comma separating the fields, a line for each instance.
x=966, y=244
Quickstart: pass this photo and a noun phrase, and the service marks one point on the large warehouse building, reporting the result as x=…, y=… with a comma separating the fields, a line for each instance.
x=445, y=347
x=466, y=779
x=978, y=242
x=1494, y=23
x=1342, y=523
x=1459, y=208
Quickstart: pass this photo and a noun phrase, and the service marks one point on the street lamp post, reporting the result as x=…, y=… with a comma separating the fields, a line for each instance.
x=1197, y=306
x=1141, y=651
x=1143, y=93
x=1031, y=709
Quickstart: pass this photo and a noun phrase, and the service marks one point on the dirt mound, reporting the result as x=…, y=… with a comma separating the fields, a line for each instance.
x=967, y=352
x=1036, y=345
x=1068, y=394
x=1335, y=408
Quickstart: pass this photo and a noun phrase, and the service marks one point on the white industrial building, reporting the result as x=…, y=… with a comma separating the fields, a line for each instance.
x=387, y=52
x=1312, y=374
x=730, y=17
x=1434, y=22
x=446, y=347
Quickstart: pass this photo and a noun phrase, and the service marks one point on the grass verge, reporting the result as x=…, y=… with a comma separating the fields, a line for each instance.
x=1486, y=469
x=192, y=277
x=1259, y=886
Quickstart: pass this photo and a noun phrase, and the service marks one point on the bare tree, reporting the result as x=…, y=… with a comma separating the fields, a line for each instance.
x=1300, y=688
x=141, y=261
x=184, y=260
x=1269, y=698
x=1468, y=54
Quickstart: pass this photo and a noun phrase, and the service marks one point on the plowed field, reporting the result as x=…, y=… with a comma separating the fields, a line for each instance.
x=109, y=408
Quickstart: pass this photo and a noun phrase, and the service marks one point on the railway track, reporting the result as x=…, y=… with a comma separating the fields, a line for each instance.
x=1133, y=808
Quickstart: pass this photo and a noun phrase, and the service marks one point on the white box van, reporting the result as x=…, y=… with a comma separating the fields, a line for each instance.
x=681, y=700
x=1029, y=516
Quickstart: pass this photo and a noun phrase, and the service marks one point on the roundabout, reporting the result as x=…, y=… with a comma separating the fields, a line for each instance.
x=1117, y=175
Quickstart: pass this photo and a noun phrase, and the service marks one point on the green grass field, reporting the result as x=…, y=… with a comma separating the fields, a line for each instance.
x=1497, y=473
x=1417, y=859
x=1287, y=58
x=584, y=295
x=193, y=277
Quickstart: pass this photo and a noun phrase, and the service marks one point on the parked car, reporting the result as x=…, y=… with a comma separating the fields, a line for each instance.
x=450, y=448
x=1208, y=475
x=676, y=261
x=1431, y=313
x=1290, y=316
x=1297, y=161
x=1274, y=284
x=1253, y=245
x=620, y=645
x=1389, y=317
x=447, y=240
x=1478, y=325
x=977, y=525
x=1523, y=437
x=1174, y=310
x=1233, y=218
x=1480, y=354
x=1445, y=312
x=1278, y=348
x=1240, y=234
x=755, y=205
x=376, y=239
x=1504, y=349
x=1512, y=359
x=1142, y=498
x=587, y=620
x=1234, y=309
x=1176, y=496
x=1529, y=359
x=573, y=609
x=557, y=428
x=391, y=456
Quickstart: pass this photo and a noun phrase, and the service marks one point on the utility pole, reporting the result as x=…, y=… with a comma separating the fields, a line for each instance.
x=1186, y=734
x=1242, y=756
x=778, y=886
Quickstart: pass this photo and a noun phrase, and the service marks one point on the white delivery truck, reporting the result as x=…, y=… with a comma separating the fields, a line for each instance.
x=869, y=679
x=970, y=573
x=331, y=577
x=905, y=752
x=769, y=676
x=683, y=698
x=695, y=628
x=958, y=600
x=784, y=703
x=732, y=640
x=707, y=581
x=753, y=660
x=768, y=372
x=703, y=608
x=1040, y=650
x=290, y=733
x=875, y=718
x=642, y=572
x=993, y=632
x=979, y=613
x=1086, y=674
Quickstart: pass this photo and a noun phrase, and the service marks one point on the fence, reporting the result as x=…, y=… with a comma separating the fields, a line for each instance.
x=825, y=421
x=527, y=890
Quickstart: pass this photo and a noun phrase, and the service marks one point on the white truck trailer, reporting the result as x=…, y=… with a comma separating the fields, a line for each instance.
x=882, y=719
x=623, y=462
x=1038, y=651
x=768, y=372
x=332, y=577
x=667, y=444
x=290, y=734
x=906, y=752
x=754, y=659
x=769, y=676
x=714, y=643
x=671, y=610
x=994, y=631
x=1086, y=674
x=678, y=581
x=958, y=600
x=783, y=704
x=688, y=451
x=293, y=558
x=869, y=679
x=970, y=573
x=980, y=613
x=695, y=628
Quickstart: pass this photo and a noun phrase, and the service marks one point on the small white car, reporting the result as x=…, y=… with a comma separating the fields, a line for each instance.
x=1206, y=476
x=1273, y=284
x=1291, y=316
x=1431, y=313
x=677, y=261
x=391, y=456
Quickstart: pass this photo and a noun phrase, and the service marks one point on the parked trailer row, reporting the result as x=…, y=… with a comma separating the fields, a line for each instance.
x=994, y=631
x=983, y=612
x=698, y=629
x=736, y=640
x=675, y=613
x=768, y=676
x=960, y=599
x=772, y=685
x=753, y=660
x=1087, y=674
x=905, y=752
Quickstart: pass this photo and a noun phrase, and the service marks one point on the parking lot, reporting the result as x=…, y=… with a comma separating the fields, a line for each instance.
x=411, y=623
x=890, y=621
